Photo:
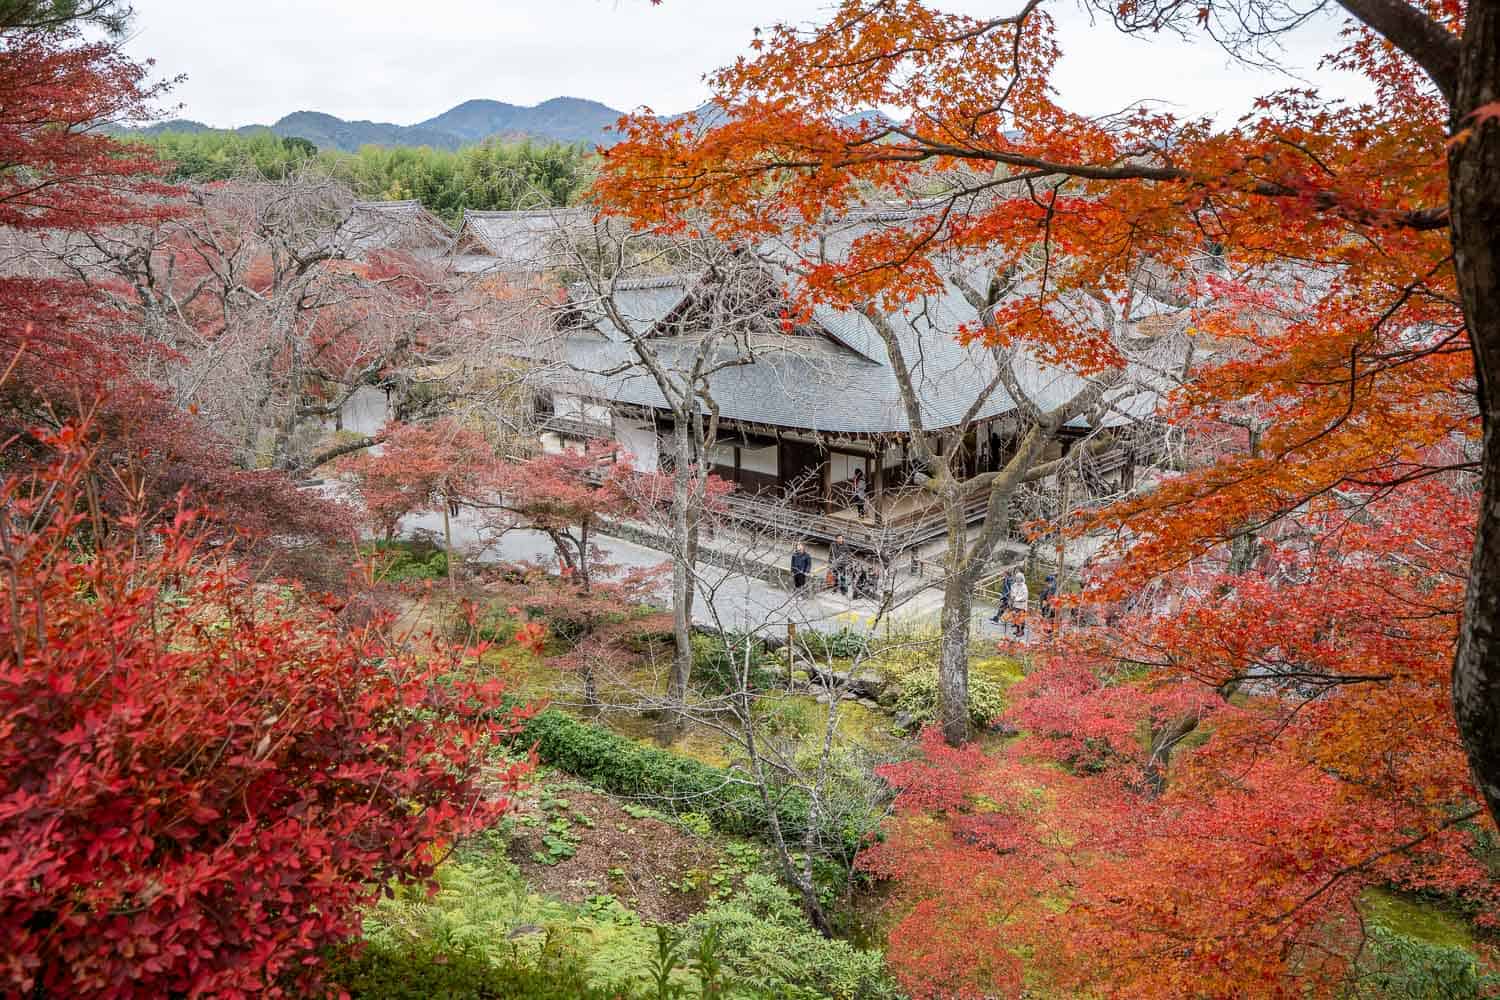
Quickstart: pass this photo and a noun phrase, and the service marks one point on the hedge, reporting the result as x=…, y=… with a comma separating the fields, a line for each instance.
x=673, y=784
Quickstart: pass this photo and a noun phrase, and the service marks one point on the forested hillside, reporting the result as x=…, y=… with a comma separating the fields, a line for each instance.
x=492, y=175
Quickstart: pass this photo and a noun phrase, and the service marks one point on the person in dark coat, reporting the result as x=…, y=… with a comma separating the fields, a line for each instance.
x=1048, y=599
x=838, y=561
x=1004, y=605
x=801, y=566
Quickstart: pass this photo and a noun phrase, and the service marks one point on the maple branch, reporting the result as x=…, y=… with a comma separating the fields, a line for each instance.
x=1428, y=43
x=1348, y=870
x=337, y=451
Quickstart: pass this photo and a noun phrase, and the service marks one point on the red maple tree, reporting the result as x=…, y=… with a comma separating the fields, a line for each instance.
x=1203, y=790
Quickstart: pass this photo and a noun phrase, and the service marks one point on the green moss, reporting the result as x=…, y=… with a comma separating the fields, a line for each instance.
x=1415, y=918
x=528, y=677
x=1001, y=669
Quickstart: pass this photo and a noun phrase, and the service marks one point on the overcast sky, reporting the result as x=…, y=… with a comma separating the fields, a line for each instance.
x=252, y=61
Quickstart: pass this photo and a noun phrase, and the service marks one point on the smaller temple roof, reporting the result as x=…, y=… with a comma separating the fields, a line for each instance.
x=394, y=225
x=520, y=240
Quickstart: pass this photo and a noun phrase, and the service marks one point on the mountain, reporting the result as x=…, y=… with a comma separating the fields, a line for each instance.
x=566, y=119
x=330, y=132
x=562, y=119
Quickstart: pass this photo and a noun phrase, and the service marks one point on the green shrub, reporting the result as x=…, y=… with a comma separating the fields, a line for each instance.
x=769, y=949
x=674, y=784
x=426, y=969
x=918, y=698
x=1405, y=968
x=404, y=561
x=719, y=662
x=845, y=644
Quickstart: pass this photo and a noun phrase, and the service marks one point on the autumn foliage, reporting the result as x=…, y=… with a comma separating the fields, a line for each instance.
x=202, y=779
x=1255, y=722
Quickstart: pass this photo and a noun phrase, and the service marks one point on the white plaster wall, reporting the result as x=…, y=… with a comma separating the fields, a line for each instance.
x=640, y=441
x=843, y=466
x=366, y=411
x=761, y=460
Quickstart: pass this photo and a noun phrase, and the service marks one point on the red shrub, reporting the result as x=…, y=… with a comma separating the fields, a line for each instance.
x=201, y=780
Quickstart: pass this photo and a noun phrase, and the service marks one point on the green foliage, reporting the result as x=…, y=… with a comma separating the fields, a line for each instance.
x=428, y=969
x=221, y=156
x=403, y=561
x=769, y=949
x=487, y=177
x=483, y=934
x=845, y=644
x=789, y=717
x=918, y=697
x=666, y=961
x=483, y=908
x=1407, y=968
x=672, y=783
x=719, y=663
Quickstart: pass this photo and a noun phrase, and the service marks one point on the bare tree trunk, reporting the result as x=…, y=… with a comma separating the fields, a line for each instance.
x=953, y=652
x=448, y=544
x=1474, y=194
x=583, y=556
x=685, y=532
x=801, y=878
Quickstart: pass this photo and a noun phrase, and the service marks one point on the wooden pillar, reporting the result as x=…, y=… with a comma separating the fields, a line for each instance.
x=736, y=463
x=827, y=482
x=877, y=482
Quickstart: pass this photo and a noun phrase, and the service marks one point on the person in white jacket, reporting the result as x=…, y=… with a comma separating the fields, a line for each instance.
x=1018, y=598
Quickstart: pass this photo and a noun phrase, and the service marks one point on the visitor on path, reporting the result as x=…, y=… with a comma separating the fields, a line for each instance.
x=1048, y=600
x=838, y=561
x=1004, y=605
x=861, y=496
x=866, y=579
x=1017, y=602
x=801, y=566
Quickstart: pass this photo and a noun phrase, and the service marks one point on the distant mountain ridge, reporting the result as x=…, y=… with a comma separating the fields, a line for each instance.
x=561, y=119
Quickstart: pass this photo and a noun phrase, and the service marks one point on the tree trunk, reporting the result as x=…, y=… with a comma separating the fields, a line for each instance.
x=685, y=546
x=953, y=658
x=583, y=556
x=448, y=544
x=1474, y=195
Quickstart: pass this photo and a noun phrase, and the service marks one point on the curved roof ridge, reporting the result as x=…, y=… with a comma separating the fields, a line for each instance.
x=521, y=213
x=660, y=280
x=390, y=203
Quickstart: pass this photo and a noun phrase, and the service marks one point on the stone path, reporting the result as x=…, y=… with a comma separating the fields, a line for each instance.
x=726, y=599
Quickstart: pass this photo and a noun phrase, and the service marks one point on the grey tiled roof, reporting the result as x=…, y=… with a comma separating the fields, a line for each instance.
x=838, y=381
x=815, y=383
x=525, y=240
x=393, y=225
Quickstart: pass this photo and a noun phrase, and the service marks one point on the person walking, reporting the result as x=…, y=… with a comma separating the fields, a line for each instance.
x=1048, y=601
x=801, y=566
x=1004, y=605
x=1018, y=598
x=861, y=495
x=838, y=561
